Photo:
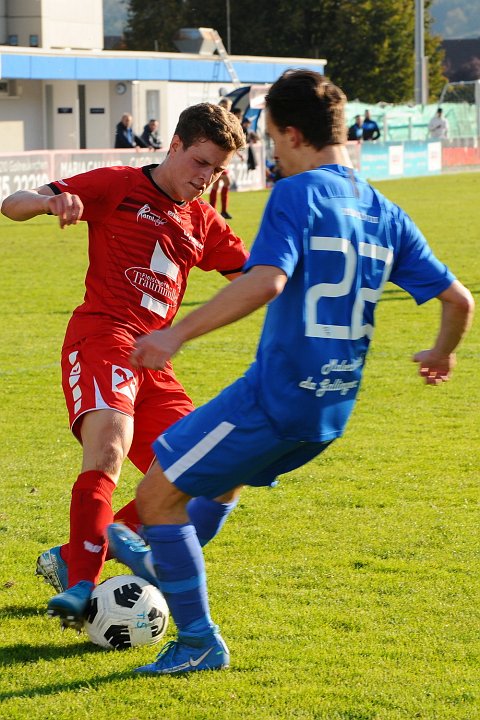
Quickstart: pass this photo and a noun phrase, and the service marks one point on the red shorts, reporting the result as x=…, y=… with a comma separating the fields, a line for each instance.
x=97, y=374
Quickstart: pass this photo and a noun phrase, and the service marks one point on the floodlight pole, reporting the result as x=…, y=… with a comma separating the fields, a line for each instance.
x=477, y=105
x=421, y=78
x=229, y=38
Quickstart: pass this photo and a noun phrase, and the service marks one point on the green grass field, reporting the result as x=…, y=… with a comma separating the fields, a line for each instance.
x=350, y=592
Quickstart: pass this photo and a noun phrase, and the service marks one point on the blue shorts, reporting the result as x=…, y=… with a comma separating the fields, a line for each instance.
x=228, y=442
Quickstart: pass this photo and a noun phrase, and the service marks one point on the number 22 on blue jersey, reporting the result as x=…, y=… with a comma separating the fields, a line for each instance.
x=340, y=299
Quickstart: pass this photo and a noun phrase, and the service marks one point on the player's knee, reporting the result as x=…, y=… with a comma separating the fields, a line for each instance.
x=158, y=501
x=108, y=457
x=106, y=438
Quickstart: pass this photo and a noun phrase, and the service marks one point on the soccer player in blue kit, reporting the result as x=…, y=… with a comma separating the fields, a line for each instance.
x=327, y=244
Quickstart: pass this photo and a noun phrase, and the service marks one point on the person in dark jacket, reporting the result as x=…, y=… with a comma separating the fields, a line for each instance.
x=355, y=131
x=150, y=135
x=371, y=130
x=124, y=135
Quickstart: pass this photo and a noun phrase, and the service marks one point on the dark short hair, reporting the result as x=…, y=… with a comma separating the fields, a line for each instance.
x=308, y=101
x=206, y=121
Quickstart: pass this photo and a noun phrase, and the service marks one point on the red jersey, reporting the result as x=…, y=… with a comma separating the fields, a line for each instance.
x=142, y=246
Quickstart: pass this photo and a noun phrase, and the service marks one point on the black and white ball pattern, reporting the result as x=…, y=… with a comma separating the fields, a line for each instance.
x=126, y=611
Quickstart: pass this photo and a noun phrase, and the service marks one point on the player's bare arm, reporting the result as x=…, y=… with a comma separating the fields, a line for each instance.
x=233, y=276
x=244, y=295
x=27, y=204
x=436, y=365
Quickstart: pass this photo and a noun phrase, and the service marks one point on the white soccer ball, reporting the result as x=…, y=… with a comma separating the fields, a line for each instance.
x=124, y=612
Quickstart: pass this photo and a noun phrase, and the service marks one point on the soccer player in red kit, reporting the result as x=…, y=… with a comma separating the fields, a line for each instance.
x=147, y=228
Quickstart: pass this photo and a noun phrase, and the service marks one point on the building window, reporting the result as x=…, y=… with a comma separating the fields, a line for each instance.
x=13, y=39
x=33, y=41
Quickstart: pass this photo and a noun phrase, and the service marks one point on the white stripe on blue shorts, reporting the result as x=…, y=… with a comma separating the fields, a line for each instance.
x=198, y=451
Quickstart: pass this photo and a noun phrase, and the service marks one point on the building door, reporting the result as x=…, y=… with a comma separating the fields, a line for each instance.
x=82, y=125
x=49, y=120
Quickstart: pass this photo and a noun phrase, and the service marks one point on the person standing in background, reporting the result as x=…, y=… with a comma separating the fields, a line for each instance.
x=355, y=131
x=371, y=131
x=438, y=126
x=223, y=180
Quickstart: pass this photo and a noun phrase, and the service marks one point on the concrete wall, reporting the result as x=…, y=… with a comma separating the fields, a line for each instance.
x=56, y=23
x=48, y=113
x=61, y=114
x=99, y=132
x=21, y=118
x=75, y=25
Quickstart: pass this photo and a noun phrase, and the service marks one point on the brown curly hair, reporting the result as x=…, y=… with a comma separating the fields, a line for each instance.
x=206, y=121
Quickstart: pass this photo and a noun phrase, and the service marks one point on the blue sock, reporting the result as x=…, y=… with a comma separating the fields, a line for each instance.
x=180, y=568
x=208, y=517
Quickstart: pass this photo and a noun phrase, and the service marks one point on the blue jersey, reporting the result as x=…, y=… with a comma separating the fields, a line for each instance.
x=338, y=240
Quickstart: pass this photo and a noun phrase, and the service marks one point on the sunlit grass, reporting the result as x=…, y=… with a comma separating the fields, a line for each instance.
x=350, y=592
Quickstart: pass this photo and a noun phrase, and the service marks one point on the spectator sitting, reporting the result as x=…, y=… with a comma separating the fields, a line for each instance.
x=124, y=135
x=371, y=130
x=150, y=135
x=355, y=131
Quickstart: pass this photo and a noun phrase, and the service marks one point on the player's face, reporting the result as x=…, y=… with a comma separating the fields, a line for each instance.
x=285, y=158
x=193, y=169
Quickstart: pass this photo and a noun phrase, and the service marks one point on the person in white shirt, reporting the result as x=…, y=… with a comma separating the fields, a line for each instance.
x=438, y=125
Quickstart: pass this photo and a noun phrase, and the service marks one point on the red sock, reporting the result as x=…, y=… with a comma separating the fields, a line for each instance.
x=213, y=196
x=224, y=198
x=90, y=513
x=127, y=515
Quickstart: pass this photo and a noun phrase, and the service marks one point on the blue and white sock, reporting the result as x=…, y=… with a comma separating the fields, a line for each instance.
x=180, y=568
x=208, y=517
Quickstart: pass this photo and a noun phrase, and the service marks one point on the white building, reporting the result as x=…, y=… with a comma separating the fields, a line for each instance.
x=52, y=23
x=60, y=90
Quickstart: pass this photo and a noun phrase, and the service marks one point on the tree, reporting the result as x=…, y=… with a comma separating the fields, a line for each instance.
x=152, y=24
x=368, y=44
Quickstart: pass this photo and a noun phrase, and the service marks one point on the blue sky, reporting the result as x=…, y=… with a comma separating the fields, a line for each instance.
x=456, y=18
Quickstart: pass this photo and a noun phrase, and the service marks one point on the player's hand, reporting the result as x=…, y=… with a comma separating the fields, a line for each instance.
x=155, y=350
x=68, y=208
x=433, y=368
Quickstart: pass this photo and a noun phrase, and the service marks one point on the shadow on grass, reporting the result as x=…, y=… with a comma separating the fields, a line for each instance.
x=393, y=293
x=60, y=687
x=21, y=653
x=47, y=652
x=19, y=611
